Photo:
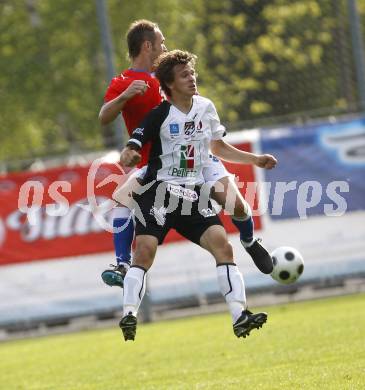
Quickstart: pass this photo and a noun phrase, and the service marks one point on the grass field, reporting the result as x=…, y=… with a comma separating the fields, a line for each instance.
x=311, y=345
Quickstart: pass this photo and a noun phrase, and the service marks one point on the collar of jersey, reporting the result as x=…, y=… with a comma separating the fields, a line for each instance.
x=139, y=70
x=183, y=113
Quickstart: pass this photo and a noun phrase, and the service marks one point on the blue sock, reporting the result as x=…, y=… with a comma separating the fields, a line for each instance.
x=245, y=227
x=123, y=239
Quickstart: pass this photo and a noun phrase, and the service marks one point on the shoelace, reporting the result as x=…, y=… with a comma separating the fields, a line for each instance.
x=117, y=267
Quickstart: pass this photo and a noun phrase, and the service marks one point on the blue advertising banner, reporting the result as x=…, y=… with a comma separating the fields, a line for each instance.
x=321, y=169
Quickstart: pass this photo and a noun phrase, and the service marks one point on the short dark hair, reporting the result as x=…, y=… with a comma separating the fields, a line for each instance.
x=139, y=32
x=164, y=66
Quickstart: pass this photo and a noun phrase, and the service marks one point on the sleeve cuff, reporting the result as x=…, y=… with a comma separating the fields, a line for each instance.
x=219, y=133
x=133, y=142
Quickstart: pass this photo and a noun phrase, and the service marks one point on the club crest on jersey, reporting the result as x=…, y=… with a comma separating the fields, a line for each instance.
x=174, y=129
x=189, y=128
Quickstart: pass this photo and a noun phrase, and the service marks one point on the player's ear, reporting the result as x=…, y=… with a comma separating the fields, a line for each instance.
x=170, y=86
x=147, y=45
x=171, y=83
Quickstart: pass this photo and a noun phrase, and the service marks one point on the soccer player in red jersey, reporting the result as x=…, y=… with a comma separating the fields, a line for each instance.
x=133, y=93
x=136, y=91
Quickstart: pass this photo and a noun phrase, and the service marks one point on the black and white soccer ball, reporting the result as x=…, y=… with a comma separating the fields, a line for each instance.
x=288, y=265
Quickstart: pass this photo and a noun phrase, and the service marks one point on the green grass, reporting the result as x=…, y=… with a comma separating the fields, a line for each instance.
x=311, y=345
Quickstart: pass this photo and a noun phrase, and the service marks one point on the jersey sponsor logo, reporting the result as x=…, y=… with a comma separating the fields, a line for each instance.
x=174, y=129
x=138, y=130
x=189, y=128
x=181, y=192
x=182, y=172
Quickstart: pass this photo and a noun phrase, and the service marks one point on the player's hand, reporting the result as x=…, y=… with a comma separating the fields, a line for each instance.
x=129, y=157
x=137, y=87
x=266, y=161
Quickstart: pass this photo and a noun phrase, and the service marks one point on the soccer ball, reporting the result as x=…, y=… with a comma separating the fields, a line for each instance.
x=288, y=265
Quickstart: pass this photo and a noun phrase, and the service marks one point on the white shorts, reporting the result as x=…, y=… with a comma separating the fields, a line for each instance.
x=214, y=170
x=140, y=172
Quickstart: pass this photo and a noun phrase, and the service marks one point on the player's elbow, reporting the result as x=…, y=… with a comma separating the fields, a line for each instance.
x=103, y=118
x=217, y=148
x=106, y=114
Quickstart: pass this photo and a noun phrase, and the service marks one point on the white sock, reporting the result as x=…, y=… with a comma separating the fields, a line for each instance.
x=134, y=289
x=232, y=288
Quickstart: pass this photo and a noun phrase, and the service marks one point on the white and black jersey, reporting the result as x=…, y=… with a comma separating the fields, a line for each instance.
x=179, y=142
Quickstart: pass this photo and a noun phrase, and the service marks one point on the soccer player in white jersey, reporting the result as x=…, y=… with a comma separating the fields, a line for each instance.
x=181, y=132
x=128, y=94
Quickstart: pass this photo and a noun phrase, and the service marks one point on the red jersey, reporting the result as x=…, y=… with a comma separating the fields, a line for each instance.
x=135, y=109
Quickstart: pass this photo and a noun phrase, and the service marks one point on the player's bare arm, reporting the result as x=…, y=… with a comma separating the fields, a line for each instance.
x=229, y=153
x=110, y=110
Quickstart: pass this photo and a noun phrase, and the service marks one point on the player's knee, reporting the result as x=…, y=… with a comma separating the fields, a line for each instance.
x=227, y=251
x=223, y=251
x=144, y=255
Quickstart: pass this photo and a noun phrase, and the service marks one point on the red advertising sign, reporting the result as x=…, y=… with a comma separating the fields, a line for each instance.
x=50, y=214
